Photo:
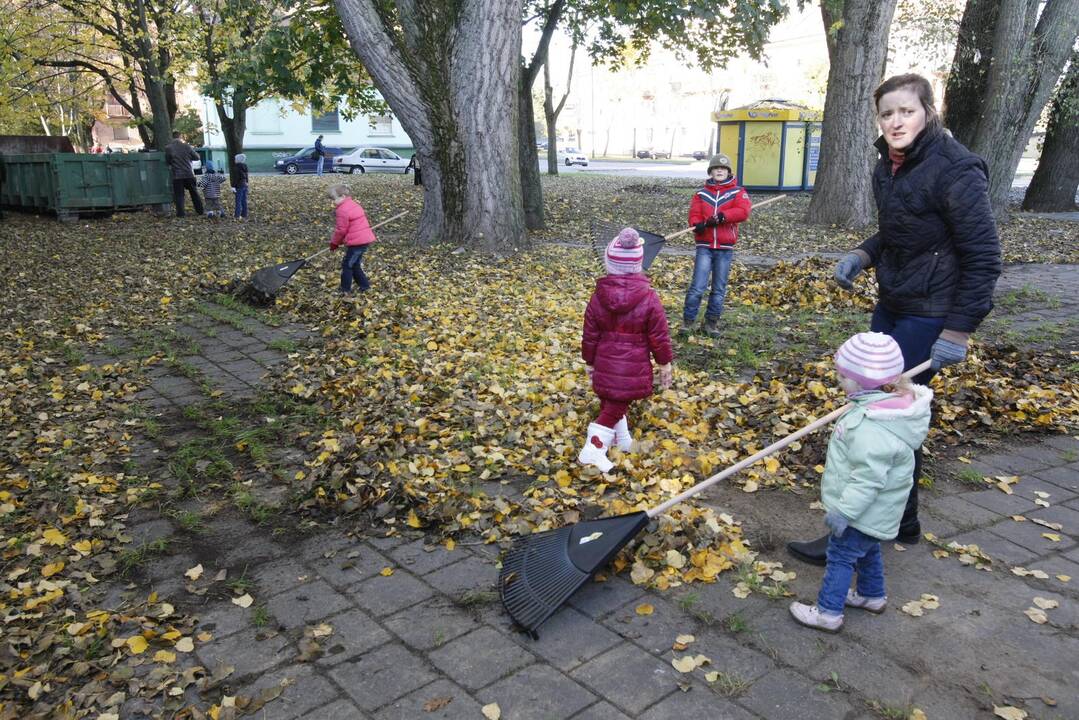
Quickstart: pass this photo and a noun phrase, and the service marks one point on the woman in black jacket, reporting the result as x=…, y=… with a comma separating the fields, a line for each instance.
x=936, y=252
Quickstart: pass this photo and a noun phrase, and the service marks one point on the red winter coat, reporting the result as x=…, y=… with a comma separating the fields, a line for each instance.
x=353, y=227
x=624, y=324
x=714, y=198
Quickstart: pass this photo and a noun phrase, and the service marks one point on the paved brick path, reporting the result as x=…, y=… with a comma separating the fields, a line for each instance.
x=430, y=640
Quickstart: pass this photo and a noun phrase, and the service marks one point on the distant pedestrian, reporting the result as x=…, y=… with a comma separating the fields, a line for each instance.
x=715, y=212
x=414, y=166
x=320, y=155
x=211, y=183
x=867, y=476
x=624, y=329
x=353, y=230
x=179, y=156
x=239, y=185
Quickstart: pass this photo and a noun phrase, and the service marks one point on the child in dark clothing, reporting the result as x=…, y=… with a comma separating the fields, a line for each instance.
x=239, y=186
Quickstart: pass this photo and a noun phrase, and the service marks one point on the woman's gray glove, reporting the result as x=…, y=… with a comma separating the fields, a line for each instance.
x=848, y=268
x=945, y=353
x=837, y=521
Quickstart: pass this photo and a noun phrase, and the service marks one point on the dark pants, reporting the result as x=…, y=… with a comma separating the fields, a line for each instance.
x=352, y=269
x=915, y=337
x=178, y=187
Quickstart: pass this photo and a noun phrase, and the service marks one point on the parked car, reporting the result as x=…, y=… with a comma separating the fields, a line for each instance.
x=644, y=154
x=699, y=155
x=304, y=161
x=573, y=156
x=661, y=155
x=363, y=160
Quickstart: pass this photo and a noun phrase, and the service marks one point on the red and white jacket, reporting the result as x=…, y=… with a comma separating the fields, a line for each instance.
x=728, y=198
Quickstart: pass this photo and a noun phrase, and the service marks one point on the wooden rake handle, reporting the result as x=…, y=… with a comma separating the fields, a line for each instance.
x=758, y=206
x=778, y=445
x=373, y=227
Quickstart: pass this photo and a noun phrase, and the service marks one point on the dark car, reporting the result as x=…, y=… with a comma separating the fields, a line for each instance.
x=304, y=161
x=699, y=155
x=644, y=154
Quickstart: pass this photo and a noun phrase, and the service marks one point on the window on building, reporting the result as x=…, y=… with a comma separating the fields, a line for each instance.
x=119, y=132
x=264, y=119
x=327, y=123
x=114, y=109
x=381, y=124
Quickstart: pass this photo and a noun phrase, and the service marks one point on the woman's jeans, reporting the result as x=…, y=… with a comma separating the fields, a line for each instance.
x=851, y=552
x=714, y=265
x=915, y=336
x=241, y=202
x=352, y=269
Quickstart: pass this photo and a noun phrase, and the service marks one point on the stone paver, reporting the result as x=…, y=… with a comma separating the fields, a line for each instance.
x=440, y=699
x=306, y=604
x=480, y=657
x=784, y=694
x=354, y=633
x=382, y=676
x=628, y=677
x=245, y=652
x=386, y=595
x=538, y=692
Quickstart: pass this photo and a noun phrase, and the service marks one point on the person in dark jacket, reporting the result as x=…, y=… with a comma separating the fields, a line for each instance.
x=179, y=155
x=936, y=253
x=320, y=155
x=239, y=185
x=715, y=212
x=624, y=328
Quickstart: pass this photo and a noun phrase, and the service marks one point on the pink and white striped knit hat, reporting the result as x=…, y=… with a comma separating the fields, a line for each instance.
x=625, y=254
x=870, y=359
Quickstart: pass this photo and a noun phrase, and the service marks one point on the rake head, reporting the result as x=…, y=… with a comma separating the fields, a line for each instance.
x=270, y=279
x=603, y=231
x=540, y=572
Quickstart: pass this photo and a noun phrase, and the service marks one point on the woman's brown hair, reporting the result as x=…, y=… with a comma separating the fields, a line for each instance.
x=921, y=88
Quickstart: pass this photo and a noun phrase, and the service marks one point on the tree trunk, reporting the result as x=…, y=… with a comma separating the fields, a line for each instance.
x=153, y=80
x=233, y=129
x=1029, y=53
x=551, y=111
x=450, y=73
x=842, y=195
x=966, y=87
x=528, y=157
x=1053, y=187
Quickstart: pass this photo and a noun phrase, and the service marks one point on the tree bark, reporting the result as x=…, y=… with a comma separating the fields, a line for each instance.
x=1053, y=187
x=450, y=73
x=966, y=86
x=842, y=195
x=232, y=128
x=1029, y=54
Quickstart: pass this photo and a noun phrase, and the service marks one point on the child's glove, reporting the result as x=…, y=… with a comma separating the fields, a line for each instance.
x=716, y=219
x=837, y=521
x=700, y=227
x=666, y=375
x=333, y=246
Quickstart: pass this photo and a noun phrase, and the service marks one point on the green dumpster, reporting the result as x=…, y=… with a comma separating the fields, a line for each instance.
x=68, y=184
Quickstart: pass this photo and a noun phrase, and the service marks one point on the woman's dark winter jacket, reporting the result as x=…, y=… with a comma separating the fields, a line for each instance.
x=936, y=253
x=623, y=325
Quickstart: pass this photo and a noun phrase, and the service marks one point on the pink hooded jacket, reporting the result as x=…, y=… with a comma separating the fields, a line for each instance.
x=353, y=227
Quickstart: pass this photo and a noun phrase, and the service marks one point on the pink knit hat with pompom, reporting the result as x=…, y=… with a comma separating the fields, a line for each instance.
x=625, y=254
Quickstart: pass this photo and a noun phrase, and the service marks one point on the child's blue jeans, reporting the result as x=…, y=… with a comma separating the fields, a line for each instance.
x=241, y=201
x=352, y=269
x=851, y=552
x=709, y=264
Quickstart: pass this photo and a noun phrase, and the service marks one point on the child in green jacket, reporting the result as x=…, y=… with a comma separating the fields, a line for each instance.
x=867, y=475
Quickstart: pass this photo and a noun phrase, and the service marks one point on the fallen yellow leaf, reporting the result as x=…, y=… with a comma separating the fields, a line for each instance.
x=185, y=645
x=244, y=600
x=386, y=571
x=491, y=711
x=645, y=609
x=194, y=573
x=137, y=644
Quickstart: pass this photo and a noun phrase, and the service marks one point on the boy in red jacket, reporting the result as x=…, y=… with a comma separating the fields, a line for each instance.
x=353, y=230
x=624, y=327
x=714, y=213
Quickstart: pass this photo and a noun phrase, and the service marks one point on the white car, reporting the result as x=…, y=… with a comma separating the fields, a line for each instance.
x=573, y=156
x=364, y=160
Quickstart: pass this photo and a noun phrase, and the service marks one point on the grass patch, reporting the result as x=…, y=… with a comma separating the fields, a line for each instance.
x=223, y=315
x=729, y=685
x=831, y=684
x=1069, y=455
x=889, y=712
x=735, y=623
x=475, y=598
x=771, y=589
x=241, y=308
x=1026, y=296
x=285, y=345
x=970, y=476
x=260, y=616
x=188, y=520
x=133, y=558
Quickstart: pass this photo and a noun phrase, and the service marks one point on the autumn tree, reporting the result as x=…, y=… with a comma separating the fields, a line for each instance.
x=857, y=37
x=552, y=109
x=450, y=71
x=1053, y=187
x=247, y=51
x=1009, y=57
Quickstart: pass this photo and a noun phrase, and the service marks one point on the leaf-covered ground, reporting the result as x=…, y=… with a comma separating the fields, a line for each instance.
x=449, y=398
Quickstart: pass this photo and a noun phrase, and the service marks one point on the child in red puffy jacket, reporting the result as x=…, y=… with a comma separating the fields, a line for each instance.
x=624, y=328
x=714, y=213
x=353, y=230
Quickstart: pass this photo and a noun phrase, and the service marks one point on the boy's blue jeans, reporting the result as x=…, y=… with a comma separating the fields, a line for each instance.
x=714, y=265
x=241, y=201
x=851, y=552
x=319, y=164
x=352, y=269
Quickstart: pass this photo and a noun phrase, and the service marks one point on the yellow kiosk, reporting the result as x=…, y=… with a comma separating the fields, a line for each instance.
x=775, y=145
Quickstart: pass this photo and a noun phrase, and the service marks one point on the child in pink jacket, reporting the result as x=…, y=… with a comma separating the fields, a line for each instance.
x=353, y=230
